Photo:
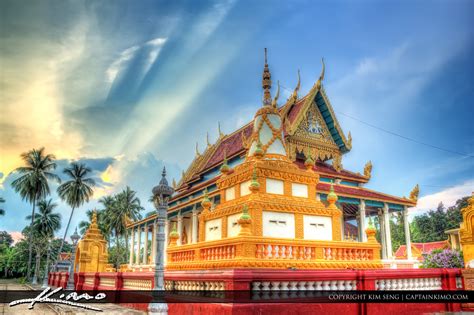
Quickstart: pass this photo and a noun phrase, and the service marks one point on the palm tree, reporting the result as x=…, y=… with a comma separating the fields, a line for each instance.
x=46, y=222
x=33, y=184
x=119, y=209
x=75, y=191
x=2, y=212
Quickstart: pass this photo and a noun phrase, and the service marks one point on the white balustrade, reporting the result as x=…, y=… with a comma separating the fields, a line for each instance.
x=408, y=284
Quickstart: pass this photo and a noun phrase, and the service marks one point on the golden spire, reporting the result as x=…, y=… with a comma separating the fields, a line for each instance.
x=221, y=134
x=368, y=169
x=207, y=140
x=274, y=103
x=197, y=149
x=294, y=96
x=266, y=83
x=321, y=76
x=174, y=185
x=414, y=193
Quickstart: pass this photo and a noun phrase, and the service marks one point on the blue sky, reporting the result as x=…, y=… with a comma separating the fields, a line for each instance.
x=130, y=86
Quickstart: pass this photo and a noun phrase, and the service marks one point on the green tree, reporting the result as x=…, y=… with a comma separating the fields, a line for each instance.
x=5, y=239
x=397, y=230
x=46, y=222
x=77, y=190
x=32, y=184
x=118, y=210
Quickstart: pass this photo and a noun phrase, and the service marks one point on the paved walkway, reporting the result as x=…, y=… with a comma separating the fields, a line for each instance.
x=53, y=309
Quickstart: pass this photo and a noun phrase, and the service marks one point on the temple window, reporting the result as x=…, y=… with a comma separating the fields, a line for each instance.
x=274, y=186
x=244, y=188
x=299, y=190
x=317, y=227
x=230, y=193
x=278, y=224
x=233, y=228
x=213, y=230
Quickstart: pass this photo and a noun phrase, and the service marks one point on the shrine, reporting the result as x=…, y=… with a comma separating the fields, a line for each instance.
x=283, y=172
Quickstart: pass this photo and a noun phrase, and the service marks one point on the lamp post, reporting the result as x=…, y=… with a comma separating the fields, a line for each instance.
x=70, y=281
x=161, y=196
x=46, y=267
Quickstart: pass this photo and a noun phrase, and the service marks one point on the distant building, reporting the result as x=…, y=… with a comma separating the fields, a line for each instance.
x=420, y=249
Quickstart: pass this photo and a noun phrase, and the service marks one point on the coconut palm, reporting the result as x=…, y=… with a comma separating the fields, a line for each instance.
x=32, y=185
x=46, y=222
x=2, y=212
x=119, y=209
x=129, y=207
x=75, y=191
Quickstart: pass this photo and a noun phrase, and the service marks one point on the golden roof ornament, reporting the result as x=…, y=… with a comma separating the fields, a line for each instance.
x=254, y=184
x=225, y=169
x=259, y=150
x=206, y=202
x=94, y=218
x=274, y=103
x=337, y=163
x=174, y=185
x=245, y=221
x=321, y=76
x=207, y=140
x=332, y=197
x=368, y=169
x=174, y=235
x=309, y=163
x=221, y=134
x=197, y=150
x=414, y=193
x=349, y=140
x=266, y=83
x=294, y=96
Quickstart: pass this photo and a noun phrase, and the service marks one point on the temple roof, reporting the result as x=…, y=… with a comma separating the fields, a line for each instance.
x=233, y=144
x=418, y=249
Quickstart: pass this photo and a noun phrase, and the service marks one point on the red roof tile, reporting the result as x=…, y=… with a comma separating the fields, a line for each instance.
x=296, y=109
x=424, y=248
x=322, y=167
x=360, y=192
x=230, y=146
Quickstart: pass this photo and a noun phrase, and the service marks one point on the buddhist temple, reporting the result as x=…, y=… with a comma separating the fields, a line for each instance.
x=275, y=189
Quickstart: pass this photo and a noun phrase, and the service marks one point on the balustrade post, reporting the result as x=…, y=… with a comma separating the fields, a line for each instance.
x=96, y=281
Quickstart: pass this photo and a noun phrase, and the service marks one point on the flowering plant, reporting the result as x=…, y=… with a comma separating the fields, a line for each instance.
x=443, y=258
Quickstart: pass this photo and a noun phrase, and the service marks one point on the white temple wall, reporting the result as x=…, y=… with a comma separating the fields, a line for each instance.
x=213, y=229
x=278, y=224
x=233, y=228
x=317, y=227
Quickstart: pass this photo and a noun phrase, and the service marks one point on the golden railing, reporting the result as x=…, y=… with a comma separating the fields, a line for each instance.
x=259, y=252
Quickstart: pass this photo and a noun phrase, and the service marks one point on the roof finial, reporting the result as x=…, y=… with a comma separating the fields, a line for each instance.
x=197, y=149
x=274, y=103
x=294, y=96
x=207, y=139
x=163, y=173
x=321, y=76
x=221, y=134
x=266, y=83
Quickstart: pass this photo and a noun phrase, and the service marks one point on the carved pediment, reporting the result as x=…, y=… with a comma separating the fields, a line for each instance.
x=312, y=136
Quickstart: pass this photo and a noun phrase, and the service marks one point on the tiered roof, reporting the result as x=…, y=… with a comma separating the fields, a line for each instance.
x=293, y=112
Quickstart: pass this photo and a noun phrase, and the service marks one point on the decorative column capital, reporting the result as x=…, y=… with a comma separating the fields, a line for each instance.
x=385, y=208
x=362, y=204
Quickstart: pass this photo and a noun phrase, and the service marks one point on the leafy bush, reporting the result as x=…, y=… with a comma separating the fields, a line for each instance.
x=443, y=258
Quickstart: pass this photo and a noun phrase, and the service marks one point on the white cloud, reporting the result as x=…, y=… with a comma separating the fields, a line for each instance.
x=119, y=64
x=448, y=197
